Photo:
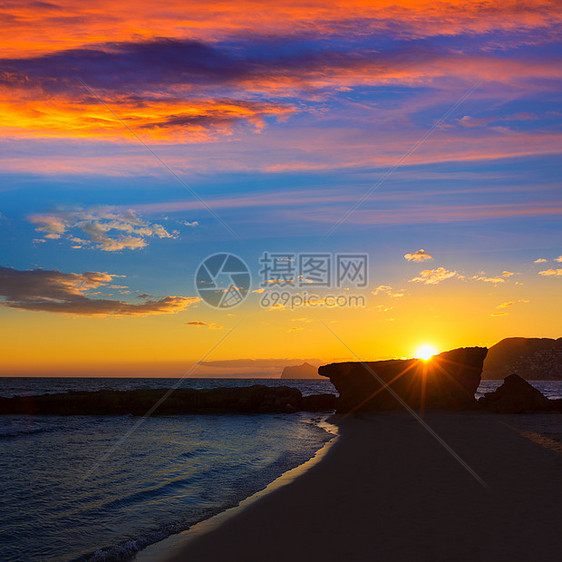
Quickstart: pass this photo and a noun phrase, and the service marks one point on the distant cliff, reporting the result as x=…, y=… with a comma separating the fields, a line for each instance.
x=304, y=371
x=530, y=358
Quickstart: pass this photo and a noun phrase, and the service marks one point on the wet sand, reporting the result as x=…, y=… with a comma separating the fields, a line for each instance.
x=388, y=490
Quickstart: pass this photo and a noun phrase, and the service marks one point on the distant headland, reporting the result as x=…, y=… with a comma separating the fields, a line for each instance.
x=534, y=359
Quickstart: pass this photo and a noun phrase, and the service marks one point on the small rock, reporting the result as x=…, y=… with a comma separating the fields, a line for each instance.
x=515, y=396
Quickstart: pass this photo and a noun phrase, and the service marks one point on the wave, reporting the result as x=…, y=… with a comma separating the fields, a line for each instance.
x=232, y=496
x=127, y=549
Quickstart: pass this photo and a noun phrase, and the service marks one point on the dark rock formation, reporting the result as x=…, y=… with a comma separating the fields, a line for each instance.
x=516, y=396
x=250, y=399
x=304, y=371
x=447, y=381
x=530, y=358
x=318, y=403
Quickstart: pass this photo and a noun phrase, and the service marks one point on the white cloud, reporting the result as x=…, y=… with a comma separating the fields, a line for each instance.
x=101, y=228
x=418, y=256
x=435, y=276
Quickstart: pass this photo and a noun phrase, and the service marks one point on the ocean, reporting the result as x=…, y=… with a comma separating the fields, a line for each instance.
x=103, y=488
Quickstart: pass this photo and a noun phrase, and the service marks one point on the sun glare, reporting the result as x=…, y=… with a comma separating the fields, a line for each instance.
x=425, y=352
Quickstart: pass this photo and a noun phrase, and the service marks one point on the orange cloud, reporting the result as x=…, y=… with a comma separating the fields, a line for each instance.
x=387, y=290
x=435, y=276
x=176, y=72
x=511, y=303
x=32, y=114
x=418, y=255
x=485, y=279
x=200, y=324
x=37, y=27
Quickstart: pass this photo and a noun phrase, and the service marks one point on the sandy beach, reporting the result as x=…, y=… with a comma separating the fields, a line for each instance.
x=388, y=490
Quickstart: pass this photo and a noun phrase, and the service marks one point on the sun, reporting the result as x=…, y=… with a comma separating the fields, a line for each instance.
x=425, y=352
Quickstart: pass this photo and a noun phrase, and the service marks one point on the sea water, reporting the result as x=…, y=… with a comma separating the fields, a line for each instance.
x=104, y=487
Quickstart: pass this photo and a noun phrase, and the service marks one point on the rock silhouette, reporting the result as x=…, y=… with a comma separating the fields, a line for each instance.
x=516, y=396
x=251, y=399
x=447, y=381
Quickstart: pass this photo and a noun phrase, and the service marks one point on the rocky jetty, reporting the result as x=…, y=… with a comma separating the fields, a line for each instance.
x=516, y=396
x=250, y=399
x=534, y=359
x=447, y=381
x=304, y=371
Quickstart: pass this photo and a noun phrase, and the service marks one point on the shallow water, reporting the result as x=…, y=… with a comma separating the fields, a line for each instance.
x=73, y=487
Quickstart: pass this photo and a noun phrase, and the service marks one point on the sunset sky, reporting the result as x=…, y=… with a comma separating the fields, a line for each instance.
x=136, y=139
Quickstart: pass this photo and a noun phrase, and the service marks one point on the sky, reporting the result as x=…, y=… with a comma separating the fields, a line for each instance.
x=387, y=174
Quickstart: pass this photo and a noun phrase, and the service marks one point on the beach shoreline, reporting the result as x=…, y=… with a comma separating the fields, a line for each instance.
x=386, y=489
x=174, y=544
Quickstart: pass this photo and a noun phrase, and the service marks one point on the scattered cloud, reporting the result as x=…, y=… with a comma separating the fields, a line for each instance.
x=540, y=260
x=43, y=290
x=507, y=273
x=295, y=329
x=511, y=303
x=548, y=272
x=482, y=277
x=387, y=290
x=209, y=325
x=418, y=256
x=559, y=259
x=383, y=308
x=496, y=314
x=101, y=228
x=435, y=276
x=187, y=223
x=469, y=121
